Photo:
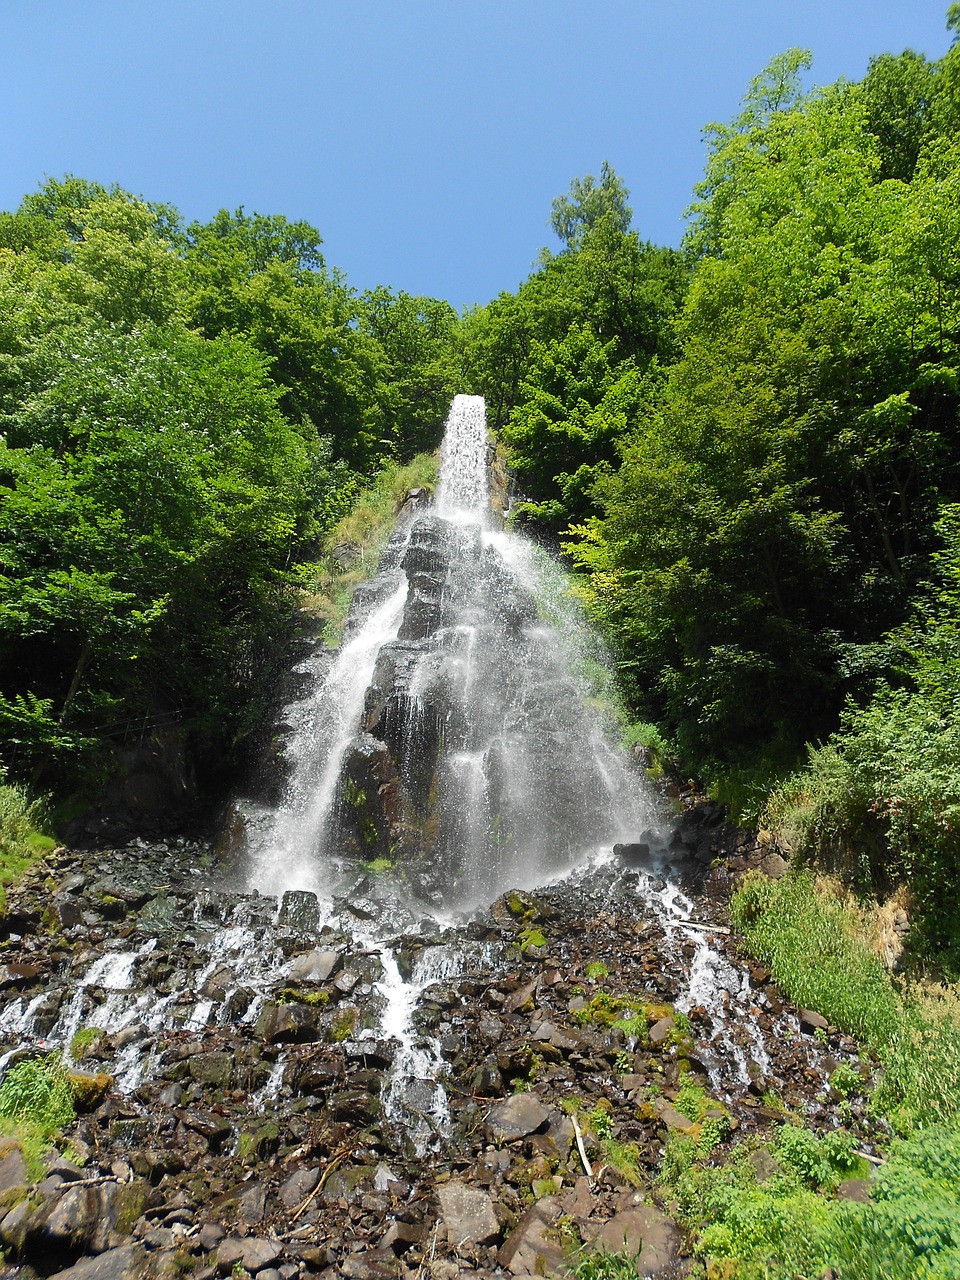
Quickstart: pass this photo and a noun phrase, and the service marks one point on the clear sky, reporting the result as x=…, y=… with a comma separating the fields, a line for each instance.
x=424, y=138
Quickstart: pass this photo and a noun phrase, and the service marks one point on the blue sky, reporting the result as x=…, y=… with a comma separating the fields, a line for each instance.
x=424, y=138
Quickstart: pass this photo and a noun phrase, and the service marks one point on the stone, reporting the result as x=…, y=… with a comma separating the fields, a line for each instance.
x=400, y=1236
x=298, y=1186
x=89, y=1089
x=516, y=1117
x=314, y=966
x=288, y=1023
x=632, y=855
x=812, y=1021
x=209, y=1236
x=534, y=1247
x=253, y=1253
x=660, y=1031
x=129, y=1262
x=13, y=1171
x=84, y=1217
x=372, y=1264
x=467, y=1214
x=774, y=866
x=643, y=1233
x=856, y=1189
x=211, y=1069
x=300, y=910
x=674, y=1120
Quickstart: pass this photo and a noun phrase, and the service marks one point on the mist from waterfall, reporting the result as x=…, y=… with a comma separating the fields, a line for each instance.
x=453, y=737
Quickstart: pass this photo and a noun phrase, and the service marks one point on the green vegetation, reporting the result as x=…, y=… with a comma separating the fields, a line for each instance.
x=185, y=411
x=35, y=1104
x=814, y=945
x=352, y=546
x=21, y=841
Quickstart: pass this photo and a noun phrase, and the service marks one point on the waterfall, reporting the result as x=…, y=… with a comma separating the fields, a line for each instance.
x=453, y=737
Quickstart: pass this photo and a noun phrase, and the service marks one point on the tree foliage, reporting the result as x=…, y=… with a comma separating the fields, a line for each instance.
x=183, y=411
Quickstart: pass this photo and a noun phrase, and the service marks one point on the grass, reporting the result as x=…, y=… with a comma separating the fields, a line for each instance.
x=328, y=585
x=815, y=945
x=35, y=1104
x=22, y=843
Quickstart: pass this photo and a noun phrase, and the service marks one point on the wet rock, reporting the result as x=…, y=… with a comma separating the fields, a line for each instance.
x=660, y=1031
x=288, y=1023
x=300, y=910
x=516, y=1117
x=632, y=855
x=314, y=966
x=467, y=1214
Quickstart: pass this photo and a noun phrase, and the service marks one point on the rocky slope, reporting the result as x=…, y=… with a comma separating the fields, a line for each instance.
x=282, y=1091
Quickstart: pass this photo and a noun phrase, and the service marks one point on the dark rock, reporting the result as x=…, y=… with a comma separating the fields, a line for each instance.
x=288, y=1023
x=128, y=1262
x=632, y=855
x=516, y=1117
x=212, y=1069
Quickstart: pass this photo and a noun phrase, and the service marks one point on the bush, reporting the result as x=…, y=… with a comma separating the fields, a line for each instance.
x=810, y=940
x=21, y=843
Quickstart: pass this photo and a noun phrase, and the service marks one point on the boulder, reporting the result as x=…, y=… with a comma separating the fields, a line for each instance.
x=288, y=1023
x=645, y=1235
x=534, y=1247
x=314, y=966
x=252, y=1253
x=129, y=1262
x=516, y=1117
x=467, y=1214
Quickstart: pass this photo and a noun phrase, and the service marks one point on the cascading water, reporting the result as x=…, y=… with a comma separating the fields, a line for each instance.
x=450, y=737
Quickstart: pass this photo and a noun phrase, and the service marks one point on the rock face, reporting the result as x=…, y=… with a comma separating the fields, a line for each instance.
x=475, y=745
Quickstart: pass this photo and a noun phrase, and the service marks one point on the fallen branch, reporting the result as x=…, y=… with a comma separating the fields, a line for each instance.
x=581, y=1148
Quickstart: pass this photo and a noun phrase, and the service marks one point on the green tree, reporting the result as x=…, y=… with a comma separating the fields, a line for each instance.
x=586, y=202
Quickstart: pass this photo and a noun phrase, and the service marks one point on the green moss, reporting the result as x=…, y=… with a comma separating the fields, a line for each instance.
x=531, y=938
x=294, y=995
x=343, y=1025
x=82, y=1040
x=596, y=971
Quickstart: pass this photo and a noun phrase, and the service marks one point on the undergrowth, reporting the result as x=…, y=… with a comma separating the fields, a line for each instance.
x=35, y=1104
x=352, y=547
x=21, y=839
x=768, y=1208
x=812, y=942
